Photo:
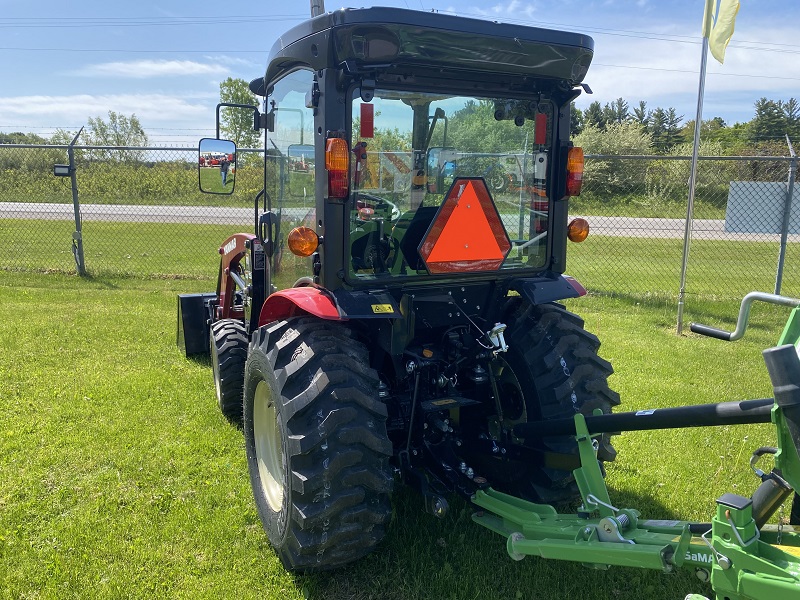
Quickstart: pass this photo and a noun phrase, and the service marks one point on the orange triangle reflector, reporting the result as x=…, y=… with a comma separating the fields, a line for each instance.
x=467, y=233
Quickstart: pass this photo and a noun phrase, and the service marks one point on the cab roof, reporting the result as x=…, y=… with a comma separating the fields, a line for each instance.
x=369, y=39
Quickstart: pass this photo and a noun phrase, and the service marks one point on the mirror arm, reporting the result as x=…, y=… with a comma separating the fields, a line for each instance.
x=234, y=105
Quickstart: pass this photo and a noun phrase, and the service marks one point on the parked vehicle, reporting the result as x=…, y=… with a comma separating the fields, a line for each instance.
x=426, y=341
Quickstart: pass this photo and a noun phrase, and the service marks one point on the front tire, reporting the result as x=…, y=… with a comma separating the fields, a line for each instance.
x=228, y=347
x=316, y=441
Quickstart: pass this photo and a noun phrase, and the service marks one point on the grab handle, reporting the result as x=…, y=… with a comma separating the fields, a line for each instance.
x=744, y=316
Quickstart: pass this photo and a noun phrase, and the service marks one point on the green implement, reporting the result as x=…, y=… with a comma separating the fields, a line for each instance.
x=742, y=556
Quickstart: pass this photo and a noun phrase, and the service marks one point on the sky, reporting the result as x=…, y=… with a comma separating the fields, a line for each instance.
x=64, y=62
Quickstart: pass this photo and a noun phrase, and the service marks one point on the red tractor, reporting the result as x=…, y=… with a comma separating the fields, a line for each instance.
x=423, y=324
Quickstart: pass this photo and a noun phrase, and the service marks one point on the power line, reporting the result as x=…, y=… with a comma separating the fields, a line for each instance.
x=106, y=50
x=763, y=48
x=155, y=18
x=595, y=64
x=15, y=22
x=112, y=22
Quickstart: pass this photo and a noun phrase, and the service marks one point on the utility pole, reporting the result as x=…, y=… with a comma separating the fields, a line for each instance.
x=317, y=7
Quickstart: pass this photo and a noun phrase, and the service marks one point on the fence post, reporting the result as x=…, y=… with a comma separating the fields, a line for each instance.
x=77, y=236
x=787, y=213
x=687, y=236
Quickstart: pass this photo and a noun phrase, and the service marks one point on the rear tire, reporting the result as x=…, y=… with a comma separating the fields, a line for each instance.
x=551, y=371
x=316, y=441
x=228, y=346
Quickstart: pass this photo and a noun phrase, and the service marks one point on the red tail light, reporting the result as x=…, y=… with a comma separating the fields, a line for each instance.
x=574, y=171
x=337, y=163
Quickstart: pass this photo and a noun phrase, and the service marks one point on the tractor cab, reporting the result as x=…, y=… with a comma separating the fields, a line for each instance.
x=379, y=120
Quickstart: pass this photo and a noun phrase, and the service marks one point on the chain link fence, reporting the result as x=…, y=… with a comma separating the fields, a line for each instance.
x=142, y=214
x=744, y=229
x=141, y=209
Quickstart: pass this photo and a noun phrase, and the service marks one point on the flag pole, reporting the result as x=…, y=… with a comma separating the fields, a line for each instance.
x=687, y=234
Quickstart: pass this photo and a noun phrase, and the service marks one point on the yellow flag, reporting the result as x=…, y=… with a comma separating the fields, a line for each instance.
x=722, y=30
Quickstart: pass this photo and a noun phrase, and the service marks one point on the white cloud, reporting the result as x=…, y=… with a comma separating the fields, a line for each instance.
x=234, y=61
x=512, y=9
x=666, y=73
x=145, y=69
x=159, y=111
x=507, y=11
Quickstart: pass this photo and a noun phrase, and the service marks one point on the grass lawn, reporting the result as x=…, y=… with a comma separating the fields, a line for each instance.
x=122, y=479
x=211, y=181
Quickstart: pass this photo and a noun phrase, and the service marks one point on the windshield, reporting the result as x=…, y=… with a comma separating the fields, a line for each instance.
x=409, y=147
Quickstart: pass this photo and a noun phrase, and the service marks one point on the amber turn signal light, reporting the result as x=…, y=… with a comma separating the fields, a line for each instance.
x=303, y=241
x=578, y=230
x=337, y=163
x=574, y=171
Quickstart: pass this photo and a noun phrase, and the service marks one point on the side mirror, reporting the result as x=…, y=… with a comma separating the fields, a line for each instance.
x=301, y=158
x=300, y=169
x=216, y=166
x=440, y=169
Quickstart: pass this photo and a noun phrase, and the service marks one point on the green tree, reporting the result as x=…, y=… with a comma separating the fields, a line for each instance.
x=575, y=119
x=118, y=130
x=641, y=115
x=474, y=129
x=17, y=137
x=236, y=124
x=667, y=180
x=608, y=176
x=672, y=128
x=769, y=122
x=61, y=136
x=711, y=130
x=791, y=109
x=594, y=116
x=616, y=111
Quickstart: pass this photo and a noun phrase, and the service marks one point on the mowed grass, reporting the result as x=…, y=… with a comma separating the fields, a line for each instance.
x=129, y=250
x=211, y=181
x=120, y=478
x=641, y=268
x=650, y=268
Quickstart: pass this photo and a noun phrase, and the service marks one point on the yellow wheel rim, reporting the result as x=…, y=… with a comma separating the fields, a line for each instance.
x=269, y=449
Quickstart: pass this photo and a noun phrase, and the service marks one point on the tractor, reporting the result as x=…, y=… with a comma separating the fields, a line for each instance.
x=406, y=325
x=425, y=323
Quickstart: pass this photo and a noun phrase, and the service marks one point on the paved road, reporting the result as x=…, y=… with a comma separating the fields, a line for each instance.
x=135, y=214
x=611, y=226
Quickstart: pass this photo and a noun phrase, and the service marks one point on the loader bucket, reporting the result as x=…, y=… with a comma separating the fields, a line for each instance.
x=194, y=313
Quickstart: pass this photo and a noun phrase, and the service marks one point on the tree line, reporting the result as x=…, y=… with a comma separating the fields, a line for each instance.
x=764, y=134
x=660, y=130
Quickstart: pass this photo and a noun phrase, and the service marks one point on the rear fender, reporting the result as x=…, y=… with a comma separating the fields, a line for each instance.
x=299, y=301
x=542, y=291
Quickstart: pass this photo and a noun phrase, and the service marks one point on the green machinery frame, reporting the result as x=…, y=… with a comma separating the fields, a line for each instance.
x=741, y=560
